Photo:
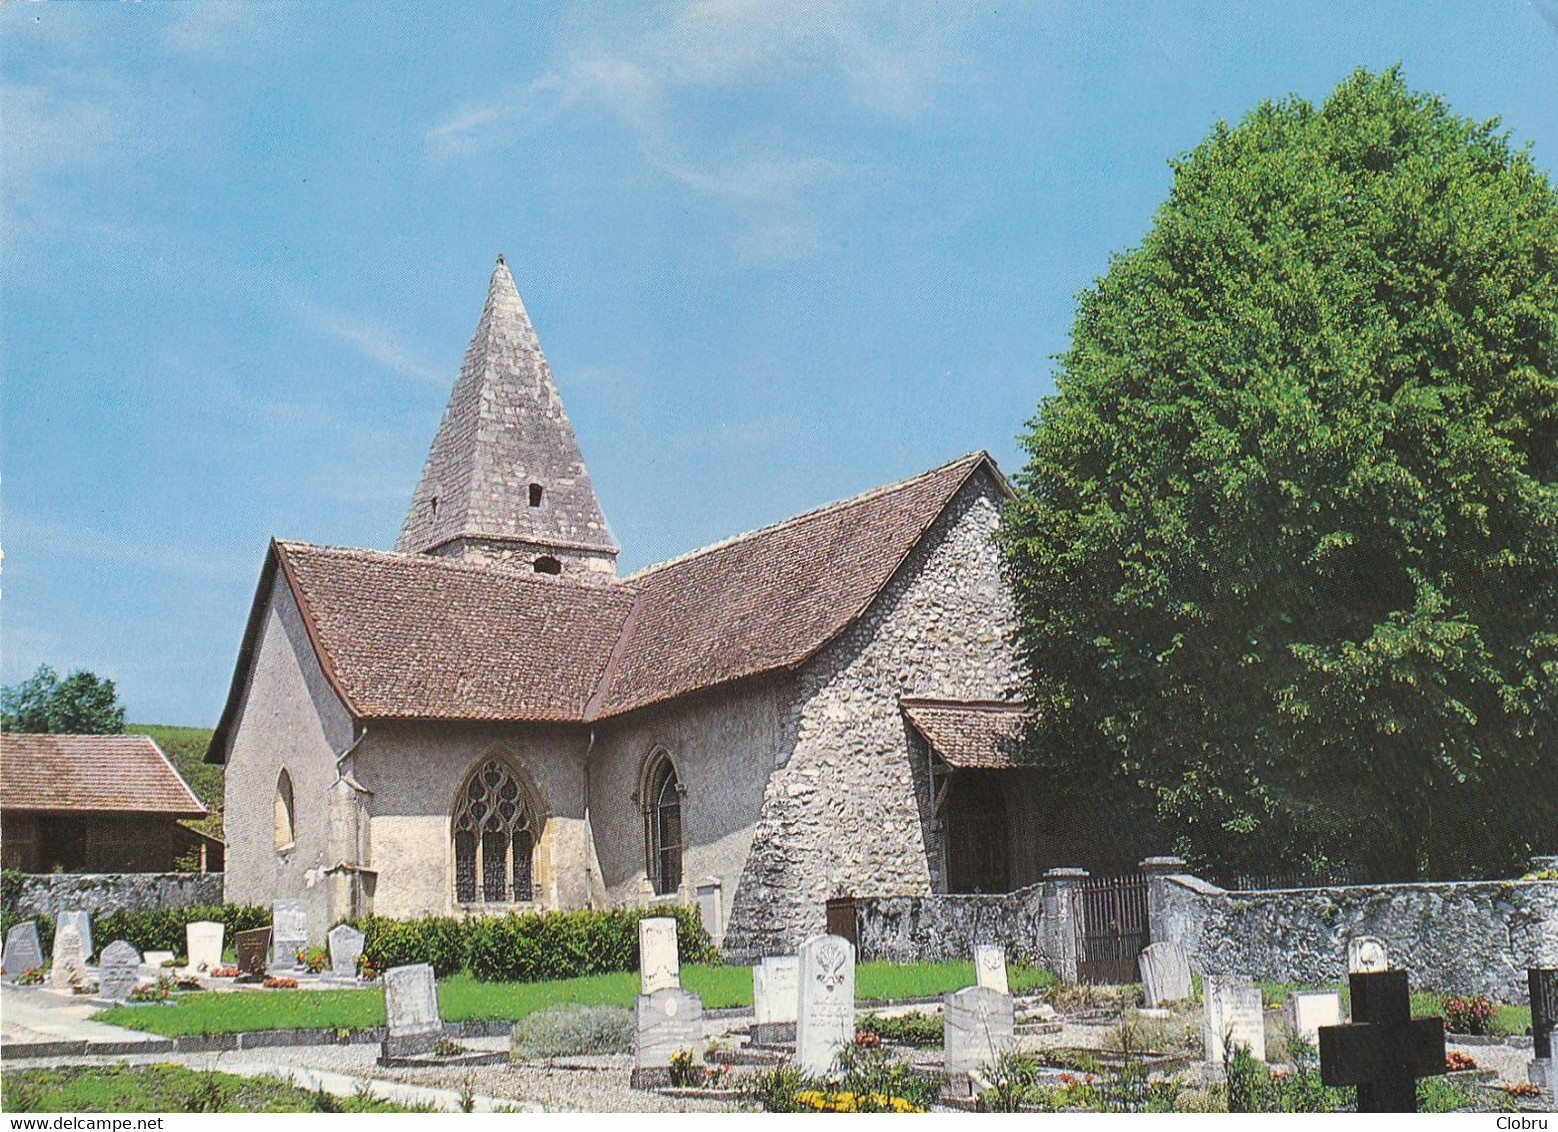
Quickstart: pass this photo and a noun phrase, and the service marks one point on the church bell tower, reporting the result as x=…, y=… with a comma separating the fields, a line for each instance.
x=504, y=483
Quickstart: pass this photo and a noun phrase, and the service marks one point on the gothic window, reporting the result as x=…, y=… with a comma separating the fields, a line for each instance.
x=493, y=839
x=663, y=821
x=546, y=564
x=285, y=814
x=535, y=495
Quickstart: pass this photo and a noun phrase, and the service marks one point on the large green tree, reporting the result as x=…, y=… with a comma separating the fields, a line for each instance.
x=80, y=704
x=1286, y=547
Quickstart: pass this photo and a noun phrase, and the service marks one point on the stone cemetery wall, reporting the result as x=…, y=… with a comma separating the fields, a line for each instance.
x=906, y=929
x=103, y=893
x=1459, y=937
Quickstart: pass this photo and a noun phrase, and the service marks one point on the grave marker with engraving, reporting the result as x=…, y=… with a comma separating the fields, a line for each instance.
x=289, y=933
x=1306, y=1011
x=203, y=942
x=23, y=951
x=659, y=965
x=1366, y=953
x=412, y=1024
x=253, y=948
x=1165, y=974
x=825, y=1003
x=979, y=1028
x=990, y=967
x=70, y=959
x=119, y=970
x=345, y=946
x=1234, y=1017
x=1543, y=983
x=775, y=983
x=82, y=921
x=664, y=1022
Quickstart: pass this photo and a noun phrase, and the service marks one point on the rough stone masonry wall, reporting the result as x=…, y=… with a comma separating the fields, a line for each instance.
x=846, y=808
x=1461, y=937
x=102, y=893
x=927, y=929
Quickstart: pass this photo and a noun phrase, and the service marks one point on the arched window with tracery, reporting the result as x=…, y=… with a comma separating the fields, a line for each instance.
x=494, y=837
x=663, y=825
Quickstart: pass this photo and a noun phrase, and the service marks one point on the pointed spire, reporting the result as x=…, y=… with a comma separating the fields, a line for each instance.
x=504, y=480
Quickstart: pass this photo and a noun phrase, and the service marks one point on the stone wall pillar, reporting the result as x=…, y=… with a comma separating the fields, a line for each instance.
x=1158, y=869
x=1058, y=927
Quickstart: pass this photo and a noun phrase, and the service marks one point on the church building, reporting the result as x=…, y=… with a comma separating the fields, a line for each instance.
x=489, y=719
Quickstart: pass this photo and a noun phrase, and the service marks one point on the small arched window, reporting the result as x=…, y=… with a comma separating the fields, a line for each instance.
x=546, y=564
x=493, y=839
x=663, y=821
x=535, y=495
x=286, y=824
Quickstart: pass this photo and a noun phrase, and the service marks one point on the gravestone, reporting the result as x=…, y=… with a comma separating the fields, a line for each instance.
x=979, y=1027
x=990, y=967
x=118, y=970
x=1306, y=1011
x=157, y=958
x=1385, y=1049
x=1367, y=953
x=23, y=951
x=345, y=946
x=1165, y=974
x=253, y=948
x=659, y=965
x=1234, y=1017
x=412, y=1025
x=70, y=959
x=1543, y=983
x=203, y=943
x=825, y=1003
x=82, y=922
x=774, y=987
x=664, y=1022
x=289, y=933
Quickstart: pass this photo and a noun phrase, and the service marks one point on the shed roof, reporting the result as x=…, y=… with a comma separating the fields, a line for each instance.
x=968, y=734
x=120, y=773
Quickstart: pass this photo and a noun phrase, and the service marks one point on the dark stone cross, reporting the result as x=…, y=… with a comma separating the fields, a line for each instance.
x=1385, y=1049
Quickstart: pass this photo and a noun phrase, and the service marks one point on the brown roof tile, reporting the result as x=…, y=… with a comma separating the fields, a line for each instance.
x=409, y=635
x=771, y=598
x=124, y=773
x=968, y=734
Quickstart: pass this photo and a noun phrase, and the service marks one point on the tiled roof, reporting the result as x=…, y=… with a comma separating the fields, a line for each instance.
x=771, y=598
x=419, y=636
x=410, y=635
x=123, y=773
x=968, y=734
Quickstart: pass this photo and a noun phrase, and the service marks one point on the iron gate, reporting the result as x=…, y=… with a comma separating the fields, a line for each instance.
x=1110, y=917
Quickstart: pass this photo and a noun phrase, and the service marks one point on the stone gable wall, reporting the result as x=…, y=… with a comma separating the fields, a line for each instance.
x=289, y=717
x=847, y=808
x=1459, y=937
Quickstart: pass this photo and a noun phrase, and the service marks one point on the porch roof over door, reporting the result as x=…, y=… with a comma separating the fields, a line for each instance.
x=968, y=734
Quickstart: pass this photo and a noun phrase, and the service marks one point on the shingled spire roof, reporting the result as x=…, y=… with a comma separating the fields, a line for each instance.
x=504, y=480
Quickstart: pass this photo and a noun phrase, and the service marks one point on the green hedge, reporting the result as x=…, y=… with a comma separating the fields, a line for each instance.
x=156, y=929
x=530, y=947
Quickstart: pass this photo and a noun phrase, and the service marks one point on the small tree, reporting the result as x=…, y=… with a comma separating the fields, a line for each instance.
x=1286, y=547
x=80, y=704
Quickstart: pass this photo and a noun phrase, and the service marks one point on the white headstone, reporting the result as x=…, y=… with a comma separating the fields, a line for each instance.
x=668, y=1020
x=825, y=1003
x=118, y=970
x=1234, y=1017
x=1165, y=974
x=82, y=922
x=1366, y=954
x=990, y=967
x=345, y=946
x=70, y=959
x=412, y=1022
x=203, y=941
x=157, y=958
x=774, y=984
x=1306, y=1011
x=23, y=951
x=979, y=1028
x=660, y=967
x=289, y=932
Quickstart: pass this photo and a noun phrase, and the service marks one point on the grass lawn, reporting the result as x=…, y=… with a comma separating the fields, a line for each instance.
x=165, y=1088
x=461, y=998
x=1507, y=1018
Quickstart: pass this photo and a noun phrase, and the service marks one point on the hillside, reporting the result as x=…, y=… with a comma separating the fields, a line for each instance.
x=186, y=746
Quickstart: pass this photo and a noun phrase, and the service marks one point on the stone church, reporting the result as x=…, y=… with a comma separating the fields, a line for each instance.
x=488, y=718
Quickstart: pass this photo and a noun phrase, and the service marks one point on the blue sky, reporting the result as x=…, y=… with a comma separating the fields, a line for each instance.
x=777, y=253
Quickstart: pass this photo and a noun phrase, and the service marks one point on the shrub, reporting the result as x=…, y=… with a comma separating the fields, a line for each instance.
x=913, y=1029
x=162, y=929
x=1253, y=1087
x=867, y=1080
x=573, y=1030
x=529, y=947
x=1472, y=1015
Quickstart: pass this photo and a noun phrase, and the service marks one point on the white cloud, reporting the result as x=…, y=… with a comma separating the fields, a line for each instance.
x=377, y=343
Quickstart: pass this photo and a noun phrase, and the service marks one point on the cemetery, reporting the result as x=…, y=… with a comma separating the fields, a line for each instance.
x=674, y=1029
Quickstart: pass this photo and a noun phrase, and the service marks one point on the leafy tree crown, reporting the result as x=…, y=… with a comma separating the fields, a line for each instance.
x=80, y=704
